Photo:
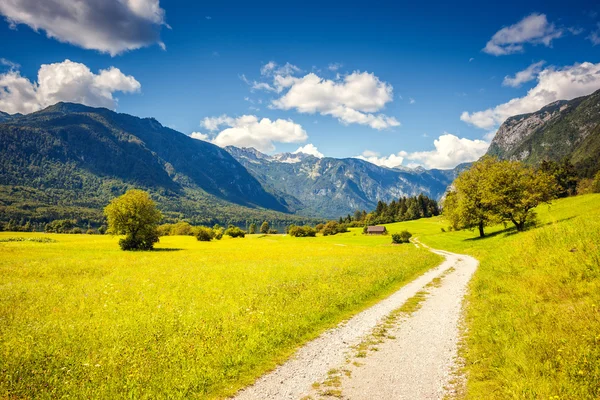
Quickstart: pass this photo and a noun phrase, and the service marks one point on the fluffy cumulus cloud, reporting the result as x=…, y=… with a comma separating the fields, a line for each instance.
x=65, y=81
x=449, y=151
x=534, y=29
x=391, y=161
x=355, y=99
x=200, y=136
x=110, y=26
x=521, y=77
x=309, y=149
x=553, y=84
x=250, y=131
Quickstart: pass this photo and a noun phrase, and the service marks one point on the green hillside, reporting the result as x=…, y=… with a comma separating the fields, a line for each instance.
x=561, y=129
x=532, y=316
x=69, y=161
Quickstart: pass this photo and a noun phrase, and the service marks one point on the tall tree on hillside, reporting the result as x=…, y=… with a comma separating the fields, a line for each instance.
x=469, y=204
x=134, y=215
x=516, y=189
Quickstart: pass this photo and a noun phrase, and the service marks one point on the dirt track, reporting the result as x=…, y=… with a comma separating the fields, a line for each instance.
x=415, y=364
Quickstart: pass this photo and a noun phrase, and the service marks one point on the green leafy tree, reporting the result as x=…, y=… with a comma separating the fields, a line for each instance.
x=252, y=229
x=264, y=228
x=469, y=205
x=134, y=215
x=516, y=189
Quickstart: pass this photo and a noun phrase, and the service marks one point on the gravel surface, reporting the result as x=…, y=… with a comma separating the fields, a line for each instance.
x=416, y=365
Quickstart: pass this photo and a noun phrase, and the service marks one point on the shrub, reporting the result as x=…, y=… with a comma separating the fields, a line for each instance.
x=273, y=231
x=218, y=233
x=164, y=229
x=102, y=230
x=319, y=227
x=204, y=234
x=90, y=231
x=443, y=230
x=402, y=237
x=182, y=228
x=252, y=229
x=596, y=183
x=77, y=230
x=60, y=226
x=302, y=231
x=234, y=232
x=333, y=228
x=264, y=228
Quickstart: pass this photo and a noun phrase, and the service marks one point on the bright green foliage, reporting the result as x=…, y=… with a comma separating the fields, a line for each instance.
x=514, y=190
x=532, y=319
x=493, y=191
x=302, y=231
x=134, y=215
x=235, y=232
x=81, y=319
x=264, y=228
x=468, y=205
x=252, y=229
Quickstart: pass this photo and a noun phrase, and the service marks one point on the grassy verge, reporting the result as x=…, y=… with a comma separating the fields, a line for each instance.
x=533, y=312
x=82, y=319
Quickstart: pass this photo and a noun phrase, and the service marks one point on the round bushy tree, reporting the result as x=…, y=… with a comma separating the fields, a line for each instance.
x=264, y=228
x=134, y=215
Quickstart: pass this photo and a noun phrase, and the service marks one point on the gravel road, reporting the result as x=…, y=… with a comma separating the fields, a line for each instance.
x=417, y=364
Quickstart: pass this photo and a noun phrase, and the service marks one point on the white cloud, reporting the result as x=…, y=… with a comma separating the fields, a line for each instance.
x=471, y=59
x=411, y=101
x=595, y=36
x=66, y=81
x=334, y=66
x=553, y=84
x=110, y=26
x=249, y=131
x=309, y=149
x=200, y=136
x=534, y=29
x=391, y=161
x=352, y=100
x=272, y=68
x=9, y=64
x=450, y=151
x=528, y=74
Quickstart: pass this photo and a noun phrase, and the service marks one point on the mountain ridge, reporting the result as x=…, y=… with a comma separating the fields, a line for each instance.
x=564, y=128
x=329, y=187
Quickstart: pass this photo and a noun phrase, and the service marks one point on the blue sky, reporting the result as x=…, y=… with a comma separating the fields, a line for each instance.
x=390, y=79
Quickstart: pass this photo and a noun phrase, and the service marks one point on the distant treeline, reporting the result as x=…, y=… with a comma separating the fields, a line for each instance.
x=403, y=209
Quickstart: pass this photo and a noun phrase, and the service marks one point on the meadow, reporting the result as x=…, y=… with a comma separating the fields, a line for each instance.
x=532, y=326
x=80, y=318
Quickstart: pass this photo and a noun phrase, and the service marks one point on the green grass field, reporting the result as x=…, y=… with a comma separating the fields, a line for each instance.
x=81, y=319
x=533, y=312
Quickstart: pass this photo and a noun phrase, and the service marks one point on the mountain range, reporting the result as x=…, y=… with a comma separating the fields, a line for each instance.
x=70, y=160
x=330, y=187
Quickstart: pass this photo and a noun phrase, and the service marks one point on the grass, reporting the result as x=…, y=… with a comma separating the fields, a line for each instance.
x=82, y=319
x=533, y=311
